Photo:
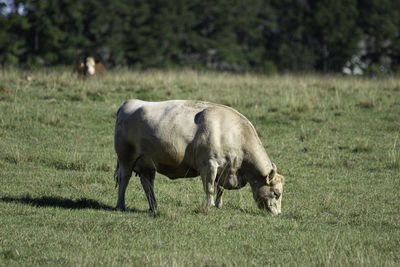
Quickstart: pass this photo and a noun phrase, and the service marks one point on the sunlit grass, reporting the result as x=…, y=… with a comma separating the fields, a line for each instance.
x=334, y=138
x=394, y=155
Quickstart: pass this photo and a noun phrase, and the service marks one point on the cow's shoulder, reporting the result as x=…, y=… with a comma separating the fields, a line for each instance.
x=226, y=116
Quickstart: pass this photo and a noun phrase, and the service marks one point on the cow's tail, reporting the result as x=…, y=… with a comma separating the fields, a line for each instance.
x=116, y=174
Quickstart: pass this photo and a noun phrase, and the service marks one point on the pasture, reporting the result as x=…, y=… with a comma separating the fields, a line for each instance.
x=334, y=138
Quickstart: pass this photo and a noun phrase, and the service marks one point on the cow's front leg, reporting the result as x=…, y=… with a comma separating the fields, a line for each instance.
x=208, y=176
x=218, y=200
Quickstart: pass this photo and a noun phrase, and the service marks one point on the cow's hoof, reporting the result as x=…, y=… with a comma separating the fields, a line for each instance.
x=153, y=210
x=119, y=209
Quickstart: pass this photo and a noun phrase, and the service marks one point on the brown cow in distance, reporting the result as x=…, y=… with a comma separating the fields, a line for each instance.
x=88, y=67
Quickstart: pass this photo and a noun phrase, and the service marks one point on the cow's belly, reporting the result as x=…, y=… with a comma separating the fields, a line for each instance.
x=173, y=172
x=173, y=160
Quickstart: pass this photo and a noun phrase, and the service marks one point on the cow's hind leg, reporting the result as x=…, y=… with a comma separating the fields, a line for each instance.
x=126, y=159
x=147, y=171
x=147, y=180
x=124, y=173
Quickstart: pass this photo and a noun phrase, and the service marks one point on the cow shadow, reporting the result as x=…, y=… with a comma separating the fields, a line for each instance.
x=64, y=203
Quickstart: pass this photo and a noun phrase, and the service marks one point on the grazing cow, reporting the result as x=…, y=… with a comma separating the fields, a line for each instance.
x=89, y=66
x=182, y=139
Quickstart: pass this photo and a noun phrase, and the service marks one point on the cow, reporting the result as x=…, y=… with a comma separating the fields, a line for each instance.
x=88, y=66
x=184, y=139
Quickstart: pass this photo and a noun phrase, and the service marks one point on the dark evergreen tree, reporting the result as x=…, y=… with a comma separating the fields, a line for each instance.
x=12, y=27
x=334, y=32
x=291, y=42
x=380, y=22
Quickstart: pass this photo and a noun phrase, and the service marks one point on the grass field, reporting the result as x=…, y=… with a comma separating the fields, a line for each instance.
x=335, y=139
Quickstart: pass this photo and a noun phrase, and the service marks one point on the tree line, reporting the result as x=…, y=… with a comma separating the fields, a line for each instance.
x=254, y=35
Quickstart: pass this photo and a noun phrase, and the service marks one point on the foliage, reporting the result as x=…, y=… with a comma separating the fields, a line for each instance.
x=335, y=139
x=256, y=35
x=382, y=37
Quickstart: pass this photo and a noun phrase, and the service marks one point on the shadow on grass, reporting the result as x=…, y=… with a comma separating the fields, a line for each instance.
x=65, y=203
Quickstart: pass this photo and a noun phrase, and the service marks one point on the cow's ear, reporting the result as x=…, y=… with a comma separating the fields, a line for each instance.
x=271, y=174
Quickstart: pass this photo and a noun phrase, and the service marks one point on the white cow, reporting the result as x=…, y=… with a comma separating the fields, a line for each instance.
x=182, y=139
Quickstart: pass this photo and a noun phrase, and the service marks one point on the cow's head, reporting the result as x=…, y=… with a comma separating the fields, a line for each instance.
x=268, y=192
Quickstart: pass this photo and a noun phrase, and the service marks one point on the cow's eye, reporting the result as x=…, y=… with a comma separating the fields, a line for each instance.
x=276, y=194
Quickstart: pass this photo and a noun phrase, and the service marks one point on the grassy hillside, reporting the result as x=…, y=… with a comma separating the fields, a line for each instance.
x=335, y=139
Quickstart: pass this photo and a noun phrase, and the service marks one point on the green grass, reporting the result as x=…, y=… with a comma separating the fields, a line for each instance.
x=334, y=138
